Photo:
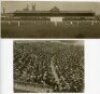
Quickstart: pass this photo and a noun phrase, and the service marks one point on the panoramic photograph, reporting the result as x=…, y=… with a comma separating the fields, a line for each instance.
x=48, y=19
x=48, y=66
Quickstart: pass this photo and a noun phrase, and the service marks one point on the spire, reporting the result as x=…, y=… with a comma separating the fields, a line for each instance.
x=33, y=7
x=3, y=11
x=27, y=8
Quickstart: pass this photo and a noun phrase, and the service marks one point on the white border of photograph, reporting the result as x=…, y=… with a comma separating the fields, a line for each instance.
x=57, y=0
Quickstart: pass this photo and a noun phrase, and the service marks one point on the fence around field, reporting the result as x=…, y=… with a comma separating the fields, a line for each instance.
x=30, y=22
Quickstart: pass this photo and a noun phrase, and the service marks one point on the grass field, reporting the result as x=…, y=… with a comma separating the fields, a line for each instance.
x=47, y=29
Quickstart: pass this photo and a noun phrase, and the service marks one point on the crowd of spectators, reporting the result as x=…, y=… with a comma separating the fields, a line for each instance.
x=32, y=65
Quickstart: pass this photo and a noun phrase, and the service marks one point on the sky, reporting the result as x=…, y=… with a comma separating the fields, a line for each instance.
x=11, y=6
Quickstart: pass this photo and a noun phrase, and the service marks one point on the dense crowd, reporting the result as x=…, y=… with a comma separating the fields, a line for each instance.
x=32, y=64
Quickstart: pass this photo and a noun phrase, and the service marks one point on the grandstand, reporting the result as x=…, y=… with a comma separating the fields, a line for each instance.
x=54, y=12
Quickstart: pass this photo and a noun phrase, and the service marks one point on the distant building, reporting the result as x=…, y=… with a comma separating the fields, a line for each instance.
x=26, y=9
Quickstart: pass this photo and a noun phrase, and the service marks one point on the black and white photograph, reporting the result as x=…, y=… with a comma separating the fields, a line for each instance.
x=50, y=19
x=48, y=66
x=50, y=46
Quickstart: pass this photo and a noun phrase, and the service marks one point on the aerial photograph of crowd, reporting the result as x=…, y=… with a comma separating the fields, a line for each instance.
x=42, y=66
